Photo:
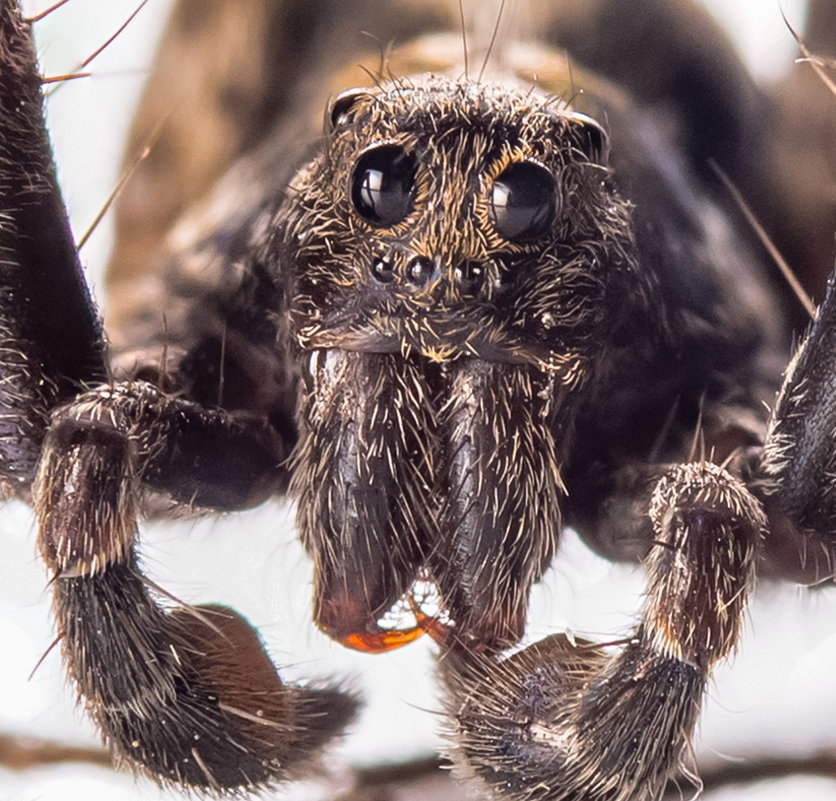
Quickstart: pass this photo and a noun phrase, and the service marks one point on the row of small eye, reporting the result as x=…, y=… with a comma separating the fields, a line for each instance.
x=522, y=202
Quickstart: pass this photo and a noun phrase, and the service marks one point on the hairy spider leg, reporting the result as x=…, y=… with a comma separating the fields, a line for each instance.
x=51, y=339
x=186, y=694
x=567, y=719
x=799, y=456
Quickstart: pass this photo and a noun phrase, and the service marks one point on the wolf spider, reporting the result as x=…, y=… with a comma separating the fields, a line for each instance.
x=480, y=311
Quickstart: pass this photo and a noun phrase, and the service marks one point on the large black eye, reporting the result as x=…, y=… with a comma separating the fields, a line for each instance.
x=524, y=201
x=383, y=184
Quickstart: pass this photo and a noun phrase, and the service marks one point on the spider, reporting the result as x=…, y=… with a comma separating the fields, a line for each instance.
x=477, y=312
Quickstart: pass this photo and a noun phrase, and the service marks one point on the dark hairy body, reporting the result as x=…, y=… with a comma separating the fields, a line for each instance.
x=480, y=310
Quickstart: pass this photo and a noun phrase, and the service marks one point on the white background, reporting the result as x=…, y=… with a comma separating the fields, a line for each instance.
x=778, y=697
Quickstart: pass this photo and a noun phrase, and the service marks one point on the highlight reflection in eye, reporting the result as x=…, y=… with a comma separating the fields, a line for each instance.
x=524, y=201
x=383, y=185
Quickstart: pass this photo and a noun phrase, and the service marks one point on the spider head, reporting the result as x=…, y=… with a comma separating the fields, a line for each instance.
x=455, y=219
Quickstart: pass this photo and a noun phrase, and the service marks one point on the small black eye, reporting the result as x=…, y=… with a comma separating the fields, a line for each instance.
x=523, y=202
x=382, y=271
x=383, y=185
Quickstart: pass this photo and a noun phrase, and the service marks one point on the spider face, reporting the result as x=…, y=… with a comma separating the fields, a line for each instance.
x=451, y=253
x=472, y=313
x=461, y=221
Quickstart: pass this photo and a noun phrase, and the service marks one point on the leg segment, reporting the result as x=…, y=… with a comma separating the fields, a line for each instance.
x=799, y=456
x=185, y=693
x=50, y=340
x=566, y=719
x=188, y=694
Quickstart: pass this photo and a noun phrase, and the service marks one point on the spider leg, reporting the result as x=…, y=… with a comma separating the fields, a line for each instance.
x=565, y=719
x=188, y=693
x=50, y=338
x=184, y=693
x=799, y=458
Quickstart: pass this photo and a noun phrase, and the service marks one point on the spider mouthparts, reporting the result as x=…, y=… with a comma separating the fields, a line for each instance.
x=381, y=640
x=377, y=639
